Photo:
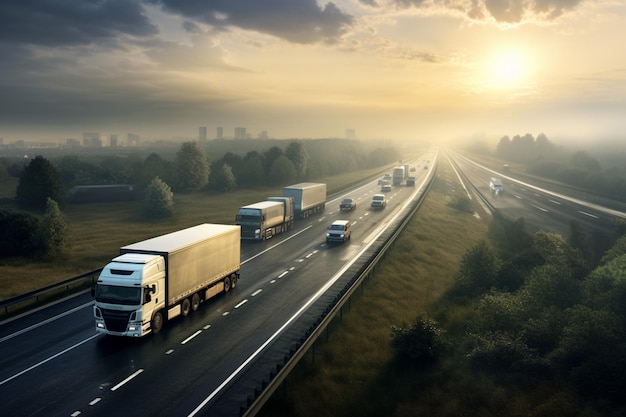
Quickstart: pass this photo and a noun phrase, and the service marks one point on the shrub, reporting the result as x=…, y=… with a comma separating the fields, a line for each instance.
x=420, y=343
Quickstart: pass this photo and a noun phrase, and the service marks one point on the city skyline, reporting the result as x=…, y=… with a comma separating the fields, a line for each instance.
x=407, y=70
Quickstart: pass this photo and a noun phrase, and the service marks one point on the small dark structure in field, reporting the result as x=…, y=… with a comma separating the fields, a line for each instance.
x=101, y=193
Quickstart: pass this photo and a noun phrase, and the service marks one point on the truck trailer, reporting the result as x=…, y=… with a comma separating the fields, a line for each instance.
x=398, y=175
x=260, y=221
x=155, y=280
x=308, y=198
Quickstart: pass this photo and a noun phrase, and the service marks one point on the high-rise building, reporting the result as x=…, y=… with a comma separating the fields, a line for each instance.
x=240, y=133
x=113, y=140
x=133, y=139
x=202, y=134
x=92, y=139
x=263, y=135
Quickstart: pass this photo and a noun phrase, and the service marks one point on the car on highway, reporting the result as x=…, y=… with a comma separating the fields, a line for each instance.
x=347, y=204
x=385, y=188
x=338, y=231
x=410, y=182
x=379, y=201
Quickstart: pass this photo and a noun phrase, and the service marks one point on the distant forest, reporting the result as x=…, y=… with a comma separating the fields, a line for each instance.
x=252, y=163
x=602, y=171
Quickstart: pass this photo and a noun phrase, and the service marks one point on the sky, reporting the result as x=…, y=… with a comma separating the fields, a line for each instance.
x=410, y=70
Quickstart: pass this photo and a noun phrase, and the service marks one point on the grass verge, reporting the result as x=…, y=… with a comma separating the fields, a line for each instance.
x=352, y=373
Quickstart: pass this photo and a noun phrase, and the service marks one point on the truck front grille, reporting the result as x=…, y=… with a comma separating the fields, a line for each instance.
x=116, y=321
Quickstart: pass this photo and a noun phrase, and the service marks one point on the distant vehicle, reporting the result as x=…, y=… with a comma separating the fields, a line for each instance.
x=381, y=181
x=379, y=201
x=410, y=182
x=495, y=186
x=308, y=198
x=385, y=188
x=265, y=219
x=425, y=166
x=338, y=231
x=412, y=169
x=347, y=204
x=398, y=175
x=155, y=280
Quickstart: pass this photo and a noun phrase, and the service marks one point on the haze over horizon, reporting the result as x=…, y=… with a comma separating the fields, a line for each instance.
x=401, y=69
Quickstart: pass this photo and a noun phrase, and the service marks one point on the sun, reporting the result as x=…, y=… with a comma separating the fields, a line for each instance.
x=508, y=68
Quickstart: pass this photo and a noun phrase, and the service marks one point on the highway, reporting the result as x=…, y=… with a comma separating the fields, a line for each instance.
x=53, y=363
x=540, y=208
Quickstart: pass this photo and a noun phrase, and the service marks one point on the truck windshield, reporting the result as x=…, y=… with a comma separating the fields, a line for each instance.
x=114, y=294
x=248, y=218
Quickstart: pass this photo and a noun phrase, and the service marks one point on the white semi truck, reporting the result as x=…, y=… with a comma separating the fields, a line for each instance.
x=155, y=280
x=260, y=221
x=308, y=198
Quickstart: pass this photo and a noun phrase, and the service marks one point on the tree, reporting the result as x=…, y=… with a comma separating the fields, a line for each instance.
x=192, y=167
x=154, y=166
x=270, y=156
x=478, y=271
x=159, y=200
x=224, y=179
x=19, y=234
x=253, y=172
x=298, y=155
x=39, y=181
x=54, y=231
x=282, y=171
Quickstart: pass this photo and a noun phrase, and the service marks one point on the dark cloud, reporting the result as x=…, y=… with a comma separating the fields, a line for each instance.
x=71, y=22
x=503, y=11
x=299, y=21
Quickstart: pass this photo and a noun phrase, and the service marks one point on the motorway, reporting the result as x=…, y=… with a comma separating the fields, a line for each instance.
x=53, y=363
x=541, y=209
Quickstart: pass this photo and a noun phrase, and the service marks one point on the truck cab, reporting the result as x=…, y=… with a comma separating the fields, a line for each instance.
x=129, y=289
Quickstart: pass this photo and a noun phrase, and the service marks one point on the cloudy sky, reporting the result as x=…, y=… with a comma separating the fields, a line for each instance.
x=401, y=69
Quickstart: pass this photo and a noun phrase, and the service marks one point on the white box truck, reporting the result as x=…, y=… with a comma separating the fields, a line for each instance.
x=260, y=221
x=308, y=198
x=155, y=280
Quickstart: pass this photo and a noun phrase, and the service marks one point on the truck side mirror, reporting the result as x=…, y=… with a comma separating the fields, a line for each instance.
x=93, y=290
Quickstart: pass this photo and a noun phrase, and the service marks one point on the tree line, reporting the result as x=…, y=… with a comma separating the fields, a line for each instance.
x=157, y=178
x=579, y=168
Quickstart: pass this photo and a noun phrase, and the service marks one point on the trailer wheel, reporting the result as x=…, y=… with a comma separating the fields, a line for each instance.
x=233, y=280
x=186, y=307
x=226, y=284
x=195, y=302
x=157, y=322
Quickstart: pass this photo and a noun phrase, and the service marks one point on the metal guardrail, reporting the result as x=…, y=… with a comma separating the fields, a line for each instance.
x=263, y=394
x=23, y=302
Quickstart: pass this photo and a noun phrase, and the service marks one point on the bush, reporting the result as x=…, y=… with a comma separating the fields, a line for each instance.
x=420, y=343
x=159, y=200
x=19, y=234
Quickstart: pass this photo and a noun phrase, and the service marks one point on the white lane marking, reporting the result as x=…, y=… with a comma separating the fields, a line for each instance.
x=206, y=327
x=518, y=197
x=241, y=303
x=554, y=202
x=95, y=401
x=297, y=314
x=75, y=414
x=588, y=214
x=541, y=208
x=34, y=326
x=257, y=292
x=278, y=244
x=184, y=342
x=169, y=352
x=283, y=274
x=128, y=379
x=49, y=359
